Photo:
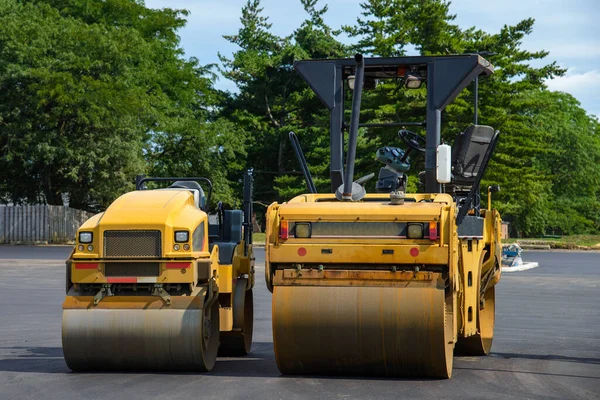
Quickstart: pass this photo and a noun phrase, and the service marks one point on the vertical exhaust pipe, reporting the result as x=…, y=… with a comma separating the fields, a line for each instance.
x=354, y=120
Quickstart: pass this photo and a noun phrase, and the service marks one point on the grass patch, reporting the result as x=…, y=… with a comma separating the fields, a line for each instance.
x=565, y=242
x=258, y=238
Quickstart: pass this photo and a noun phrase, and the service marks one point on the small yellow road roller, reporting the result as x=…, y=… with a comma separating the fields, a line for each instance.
x=157, y=282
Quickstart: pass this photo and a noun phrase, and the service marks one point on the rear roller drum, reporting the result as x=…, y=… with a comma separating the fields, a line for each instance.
x=480, y=344
x=384, y=331
x=239, y=341
x=100, y=339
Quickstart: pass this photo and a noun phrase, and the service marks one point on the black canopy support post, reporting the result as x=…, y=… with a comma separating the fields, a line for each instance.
x=248, y=226
x=336, y=131
x=476, y=100
x=310, y=185
x=476, y=112
x=325, y=78
x=433, y=133
x=354, y=121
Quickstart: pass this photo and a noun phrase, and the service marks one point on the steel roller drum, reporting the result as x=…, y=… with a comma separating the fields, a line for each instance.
x=138, y=339
x=384, y=331
x=480, y=344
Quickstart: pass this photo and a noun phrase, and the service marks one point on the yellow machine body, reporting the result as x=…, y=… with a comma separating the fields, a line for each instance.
x=354, y=294
x=139, y=299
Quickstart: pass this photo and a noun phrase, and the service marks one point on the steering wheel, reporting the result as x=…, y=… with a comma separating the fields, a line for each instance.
x=412, y=140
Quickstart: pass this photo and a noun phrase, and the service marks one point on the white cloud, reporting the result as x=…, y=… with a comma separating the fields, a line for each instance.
x=571, y=50
x=586, y=82
x=584, y=86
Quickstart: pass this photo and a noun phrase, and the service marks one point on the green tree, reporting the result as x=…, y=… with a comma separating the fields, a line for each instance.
x=571, y=162
x=273, y=100
x=390, y=28
x=514, y=100
x=95, y=92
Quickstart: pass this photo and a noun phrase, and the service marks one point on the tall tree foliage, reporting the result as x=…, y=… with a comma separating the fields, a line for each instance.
x=273, y=100
x=390, y=28
x=93, y=92
x=513, y=100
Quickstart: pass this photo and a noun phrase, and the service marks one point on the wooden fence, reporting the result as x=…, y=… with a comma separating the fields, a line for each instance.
x=40, y=223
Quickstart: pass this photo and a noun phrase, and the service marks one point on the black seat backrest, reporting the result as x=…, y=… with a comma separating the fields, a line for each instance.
x=468, y=152
x=192, y=185
x=232, y=225
x=213, y=232
x=230, y=236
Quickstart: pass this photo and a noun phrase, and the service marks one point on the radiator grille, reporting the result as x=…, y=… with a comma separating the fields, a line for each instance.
x=132, y=244
x=132, y=269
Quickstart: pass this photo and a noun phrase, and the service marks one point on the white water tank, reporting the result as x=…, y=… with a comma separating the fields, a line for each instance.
x=444, y=163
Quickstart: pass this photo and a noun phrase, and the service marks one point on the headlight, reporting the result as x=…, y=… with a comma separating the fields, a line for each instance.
x=302, y=230
x=85, y=237
x=415, y=231
x=182, y=236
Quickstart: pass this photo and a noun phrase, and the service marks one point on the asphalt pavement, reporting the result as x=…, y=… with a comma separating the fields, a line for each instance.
x=546, y=346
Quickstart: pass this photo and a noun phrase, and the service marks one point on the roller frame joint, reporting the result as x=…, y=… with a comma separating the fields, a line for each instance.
x=104, y=291
x=160, y=291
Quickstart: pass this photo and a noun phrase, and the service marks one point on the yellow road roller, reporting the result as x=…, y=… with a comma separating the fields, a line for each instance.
x=389, y=283
x=156, y=282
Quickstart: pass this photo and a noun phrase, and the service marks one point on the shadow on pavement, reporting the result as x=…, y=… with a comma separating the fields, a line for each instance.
x=259, y=363
x=33, y=359
x=514, y=371
x=549, y=357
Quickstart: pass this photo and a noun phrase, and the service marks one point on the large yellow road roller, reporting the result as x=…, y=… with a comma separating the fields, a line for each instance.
x=391, y=283
x=157, y=283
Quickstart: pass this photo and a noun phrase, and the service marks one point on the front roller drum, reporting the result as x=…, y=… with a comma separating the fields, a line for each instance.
x=383, y=331
x=140, y=339
x=480, y=344
x=238, y=342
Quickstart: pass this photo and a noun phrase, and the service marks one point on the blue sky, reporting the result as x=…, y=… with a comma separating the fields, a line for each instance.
x=570, y=30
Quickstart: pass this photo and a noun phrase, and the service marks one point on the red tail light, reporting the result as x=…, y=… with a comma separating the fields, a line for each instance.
x=283, y=230
x=433, y=230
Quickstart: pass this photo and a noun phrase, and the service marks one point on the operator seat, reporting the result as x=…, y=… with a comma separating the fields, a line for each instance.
x=468, y=152
x=192, y=185
x=229, y=236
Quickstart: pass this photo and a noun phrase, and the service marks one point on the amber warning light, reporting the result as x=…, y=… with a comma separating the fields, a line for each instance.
x=283, y=230
x=433, y=230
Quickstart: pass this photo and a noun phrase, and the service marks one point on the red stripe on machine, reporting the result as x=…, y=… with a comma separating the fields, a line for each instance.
x=178, y=265
x=86, y=266
x=121, y=280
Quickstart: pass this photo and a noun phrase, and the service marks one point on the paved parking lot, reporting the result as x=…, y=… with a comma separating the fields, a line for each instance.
x=547, y=343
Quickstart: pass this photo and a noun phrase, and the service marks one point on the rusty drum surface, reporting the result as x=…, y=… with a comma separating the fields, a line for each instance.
x=386, y=331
